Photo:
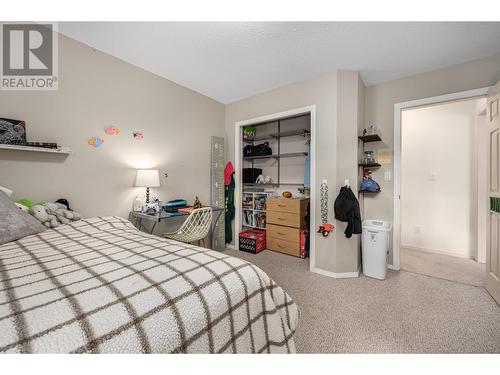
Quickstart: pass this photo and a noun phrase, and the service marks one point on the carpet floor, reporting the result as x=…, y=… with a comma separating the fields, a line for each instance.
x=406, y=313
x=446, y=267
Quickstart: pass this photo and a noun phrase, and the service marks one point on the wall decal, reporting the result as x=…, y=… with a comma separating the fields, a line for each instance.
x=95, y=141
x=138, y=135
x=112, y=130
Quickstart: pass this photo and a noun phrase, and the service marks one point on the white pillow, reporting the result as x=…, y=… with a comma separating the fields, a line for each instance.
x=6, y=191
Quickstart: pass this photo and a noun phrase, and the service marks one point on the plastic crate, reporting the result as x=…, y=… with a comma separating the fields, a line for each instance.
x=253, y=241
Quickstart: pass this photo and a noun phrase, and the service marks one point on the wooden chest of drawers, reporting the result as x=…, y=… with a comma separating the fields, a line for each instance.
x=285, y=219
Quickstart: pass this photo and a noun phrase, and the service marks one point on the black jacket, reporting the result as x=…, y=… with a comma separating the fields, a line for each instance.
x=347, y=209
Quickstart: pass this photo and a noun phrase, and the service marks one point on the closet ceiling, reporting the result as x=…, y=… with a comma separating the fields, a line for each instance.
x=231, y=61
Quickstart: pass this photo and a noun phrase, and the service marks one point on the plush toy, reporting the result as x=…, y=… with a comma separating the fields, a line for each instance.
x=22, y=207
x=40, y=213
x=25, y=202
x=63, y=215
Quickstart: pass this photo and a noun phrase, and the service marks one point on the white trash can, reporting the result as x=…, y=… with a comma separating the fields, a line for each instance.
x=374, y=247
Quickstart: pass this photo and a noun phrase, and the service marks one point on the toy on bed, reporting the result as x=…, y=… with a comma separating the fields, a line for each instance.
x=50, y=214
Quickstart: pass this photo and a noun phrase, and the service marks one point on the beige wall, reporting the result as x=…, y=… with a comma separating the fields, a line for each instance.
x=332, y=145
x=96, y=91
x=350, y=110
x=379, y=110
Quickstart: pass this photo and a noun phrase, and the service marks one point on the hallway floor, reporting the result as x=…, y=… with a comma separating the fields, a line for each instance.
x=461, y=270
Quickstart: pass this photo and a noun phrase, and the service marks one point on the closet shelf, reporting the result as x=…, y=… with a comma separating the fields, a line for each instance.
x=251, y=226
x=369, y=192
x=290, y=155
x=289, y=133
x=273, y=184
x=370, y=138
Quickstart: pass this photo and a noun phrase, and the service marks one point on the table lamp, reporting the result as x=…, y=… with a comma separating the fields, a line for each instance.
x=147, y=178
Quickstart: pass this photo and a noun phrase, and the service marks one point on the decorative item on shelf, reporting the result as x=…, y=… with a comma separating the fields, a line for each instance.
x=95, y=141
x=197, y=203
x=264, y=180
x=368, y=184
x=138, y=136
x=369, y=157
x=147, y=178
x=12, y=132
x=41, y=144
x=372, y=130
x=249, y=132
x=304, y=191
x=112, y=130
x=287, y=194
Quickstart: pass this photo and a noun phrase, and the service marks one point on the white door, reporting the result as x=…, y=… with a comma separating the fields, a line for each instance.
x=493, y=227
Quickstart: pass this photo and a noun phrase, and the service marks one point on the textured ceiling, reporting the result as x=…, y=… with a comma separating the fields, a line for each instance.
x=231, y=61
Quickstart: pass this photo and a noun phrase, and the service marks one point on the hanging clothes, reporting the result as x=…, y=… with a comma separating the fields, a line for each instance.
x=347, y=209
x=307, y=169
x=229, y=197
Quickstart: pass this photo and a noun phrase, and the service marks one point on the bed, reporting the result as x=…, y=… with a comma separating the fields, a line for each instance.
x=101, y=286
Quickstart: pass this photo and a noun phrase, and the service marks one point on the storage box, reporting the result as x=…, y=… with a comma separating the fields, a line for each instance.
x=253, y=241
x=250, y=175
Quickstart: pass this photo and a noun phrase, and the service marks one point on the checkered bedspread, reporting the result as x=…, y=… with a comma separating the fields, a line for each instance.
x=100, y=286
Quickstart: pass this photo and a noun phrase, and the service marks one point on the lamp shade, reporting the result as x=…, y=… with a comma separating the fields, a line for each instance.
x=147, y=178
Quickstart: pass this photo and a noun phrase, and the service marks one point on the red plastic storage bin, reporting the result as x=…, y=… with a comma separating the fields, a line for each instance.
x=253, y=241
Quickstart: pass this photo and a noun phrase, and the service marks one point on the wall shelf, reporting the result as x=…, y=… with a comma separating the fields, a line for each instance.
x=369, y=192
x=60, y=150
x=369, y=138
x=369, y=165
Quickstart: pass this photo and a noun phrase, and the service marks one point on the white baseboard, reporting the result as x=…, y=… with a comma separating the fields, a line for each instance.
x=336, y=275
x=434, y=251
x=391, y=267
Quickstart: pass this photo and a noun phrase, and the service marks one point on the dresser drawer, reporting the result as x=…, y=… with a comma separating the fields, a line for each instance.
x=286, y=218
x=293, y=205
x=283, y=233
x=284, y=246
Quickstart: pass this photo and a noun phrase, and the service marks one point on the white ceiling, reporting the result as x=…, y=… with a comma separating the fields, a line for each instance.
x=231, y=61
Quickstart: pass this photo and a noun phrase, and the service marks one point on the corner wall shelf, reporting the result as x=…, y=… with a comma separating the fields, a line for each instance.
x=60, y=150
x=370, y=138
x=369, y=165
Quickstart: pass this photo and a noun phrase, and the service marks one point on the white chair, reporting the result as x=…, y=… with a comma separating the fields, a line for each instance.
x=195, y=227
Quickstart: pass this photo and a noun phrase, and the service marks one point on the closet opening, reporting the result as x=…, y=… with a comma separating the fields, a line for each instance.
x=274, y=170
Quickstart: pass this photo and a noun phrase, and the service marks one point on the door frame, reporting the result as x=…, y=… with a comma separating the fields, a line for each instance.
x=398, y=108
x=238, y=146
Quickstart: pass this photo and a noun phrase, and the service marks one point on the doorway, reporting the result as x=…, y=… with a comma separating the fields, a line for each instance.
x=440, y=189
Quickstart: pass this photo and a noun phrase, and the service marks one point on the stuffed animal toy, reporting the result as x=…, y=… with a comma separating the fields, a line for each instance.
x=51, y=214
x=62, y=214
x=40, y=213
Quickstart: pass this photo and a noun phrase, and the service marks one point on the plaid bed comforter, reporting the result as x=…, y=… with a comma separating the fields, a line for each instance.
x=101, y=286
